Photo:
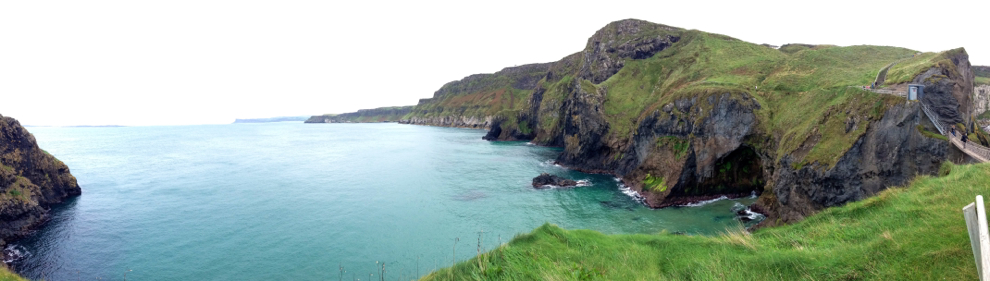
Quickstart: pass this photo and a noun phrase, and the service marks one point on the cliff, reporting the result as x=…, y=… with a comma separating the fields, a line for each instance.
x=477, y=100
x=684, y=115
x=31, y=181
x=381, y=114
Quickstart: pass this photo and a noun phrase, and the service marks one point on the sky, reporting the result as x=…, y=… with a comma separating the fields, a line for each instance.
x=177, y=62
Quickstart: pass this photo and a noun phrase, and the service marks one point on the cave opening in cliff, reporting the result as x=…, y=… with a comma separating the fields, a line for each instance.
x=740, y=172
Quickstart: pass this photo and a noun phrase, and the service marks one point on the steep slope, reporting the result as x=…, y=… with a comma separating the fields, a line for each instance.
x=476, y=100
x=31, y=181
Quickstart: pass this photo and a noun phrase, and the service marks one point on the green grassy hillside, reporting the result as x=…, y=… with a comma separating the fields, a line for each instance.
x=982, y=74
x=7, y=275
x=911, y=233
x=805, y=89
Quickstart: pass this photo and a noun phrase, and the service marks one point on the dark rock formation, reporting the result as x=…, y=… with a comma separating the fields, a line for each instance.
x=545, y=180
x=608, y=49
x=31, y=181
x=720, y=124
x=949, y=89
x=889, y=154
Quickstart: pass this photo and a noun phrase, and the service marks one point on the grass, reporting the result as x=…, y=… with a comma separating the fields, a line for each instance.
x=930, y=134
x=981, y=81
x=910, y=233
x=7, y=275
x=906, y=70
x=804, y=91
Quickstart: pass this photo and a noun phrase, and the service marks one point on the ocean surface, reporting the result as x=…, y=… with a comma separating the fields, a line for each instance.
x=293, y=201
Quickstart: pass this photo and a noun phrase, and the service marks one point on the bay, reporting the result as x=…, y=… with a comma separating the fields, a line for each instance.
x=299, y=201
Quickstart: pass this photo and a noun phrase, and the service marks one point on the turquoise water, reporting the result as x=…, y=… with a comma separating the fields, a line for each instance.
x=298, y=201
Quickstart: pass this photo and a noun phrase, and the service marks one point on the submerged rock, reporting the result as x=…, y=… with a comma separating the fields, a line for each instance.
x=545, y=180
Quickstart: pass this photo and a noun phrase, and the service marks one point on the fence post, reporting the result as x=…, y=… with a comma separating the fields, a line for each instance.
x=979, y=238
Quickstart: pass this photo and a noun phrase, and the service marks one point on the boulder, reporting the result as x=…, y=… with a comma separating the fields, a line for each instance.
x=545, y=180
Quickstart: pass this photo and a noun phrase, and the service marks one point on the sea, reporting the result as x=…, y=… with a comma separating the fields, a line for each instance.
x=294, y=201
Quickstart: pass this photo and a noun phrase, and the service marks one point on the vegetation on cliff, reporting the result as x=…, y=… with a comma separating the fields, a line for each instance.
x=381, y=114
x=910, y=233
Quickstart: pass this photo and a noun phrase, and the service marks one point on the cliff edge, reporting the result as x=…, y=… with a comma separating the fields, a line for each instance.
x=31, y=181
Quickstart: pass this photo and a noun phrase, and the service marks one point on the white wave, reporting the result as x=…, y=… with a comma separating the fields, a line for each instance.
x=706, y=202
x=631, y=193
x=584, y=183
x=14, y=252
x=753, y=216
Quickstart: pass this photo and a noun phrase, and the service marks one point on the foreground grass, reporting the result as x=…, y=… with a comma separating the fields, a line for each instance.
x=7, y=275
x=912, y=233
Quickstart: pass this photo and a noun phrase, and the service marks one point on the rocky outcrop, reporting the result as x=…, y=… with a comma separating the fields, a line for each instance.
x=693, y=143
x=31, y=181
x=949, y=88
x=545, y=180
x=608, y=49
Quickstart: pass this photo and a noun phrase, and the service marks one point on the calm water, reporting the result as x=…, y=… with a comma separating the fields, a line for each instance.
x=296, y=201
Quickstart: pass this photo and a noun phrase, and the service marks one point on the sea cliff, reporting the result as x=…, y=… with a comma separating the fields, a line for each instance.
x=685, y=115
x=31, y=181
x=381, y=114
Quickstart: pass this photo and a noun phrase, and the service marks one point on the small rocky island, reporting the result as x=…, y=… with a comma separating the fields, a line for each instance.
x=545, y=180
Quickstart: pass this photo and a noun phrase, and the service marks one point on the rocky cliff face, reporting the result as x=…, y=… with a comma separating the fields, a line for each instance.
x=981, y=99
x=949, y=88
x=478, y=100
x=703, y=139
x=890, y=153
x=31, y=181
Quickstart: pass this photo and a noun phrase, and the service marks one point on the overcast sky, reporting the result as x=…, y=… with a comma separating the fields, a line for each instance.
x=207, y=62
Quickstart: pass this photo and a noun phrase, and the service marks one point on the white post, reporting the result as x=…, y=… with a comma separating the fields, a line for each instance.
x=979, y=238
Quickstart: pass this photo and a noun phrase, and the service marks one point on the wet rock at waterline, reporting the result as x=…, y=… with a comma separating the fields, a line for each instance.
x=545, y=180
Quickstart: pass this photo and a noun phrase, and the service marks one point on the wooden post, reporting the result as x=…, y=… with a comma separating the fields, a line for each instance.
x=979, y=238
